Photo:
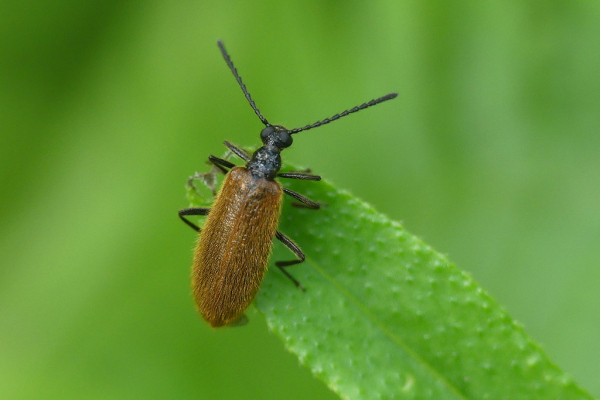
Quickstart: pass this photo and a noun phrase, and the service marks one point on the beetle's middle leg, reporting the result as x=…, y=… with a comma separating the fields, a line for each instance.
x=305, y=202
x=192, y=211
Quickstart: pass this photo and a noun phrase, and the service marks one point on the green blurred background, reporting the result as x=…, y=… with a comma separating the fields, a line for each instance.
x=491, y=153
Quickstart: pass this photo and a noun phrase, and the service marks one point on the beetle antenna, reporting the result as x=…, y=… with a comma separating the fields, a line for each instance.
x=347, y=112
x=239, y=79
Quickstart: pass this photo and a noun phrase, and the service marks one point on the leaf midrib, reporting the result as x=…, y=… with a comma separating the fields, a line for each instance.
x=394, y=338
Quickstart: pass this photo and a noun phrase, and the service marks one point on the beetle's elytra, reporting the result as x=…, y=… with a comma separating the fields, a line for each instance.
x=235, y=243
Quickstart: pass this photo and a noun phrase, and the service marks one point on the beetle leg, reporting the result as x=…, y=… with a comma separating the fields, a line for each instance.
x=192, y=211
x=299, y=175
x=304, y=202
x=241, y=153
x=302, y=205
x=221, y=164
x=296, y=250
x=304, y=175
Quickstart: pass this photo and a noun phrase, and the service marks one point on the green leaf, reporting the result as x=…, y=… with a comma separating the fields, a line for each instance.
x=385, y=316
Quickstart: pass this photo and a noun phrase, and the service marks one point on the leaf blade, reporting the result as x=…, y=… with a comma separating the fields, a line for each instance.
x=420, y=327
x=386, y=316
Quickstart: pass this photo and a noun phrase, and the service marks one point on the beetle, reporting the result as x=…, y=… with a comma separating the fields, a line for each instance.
x=235, y=242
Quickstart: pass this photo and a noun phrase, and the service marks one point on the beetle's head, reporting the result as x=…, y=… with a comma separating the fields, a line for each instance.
x=276, y=135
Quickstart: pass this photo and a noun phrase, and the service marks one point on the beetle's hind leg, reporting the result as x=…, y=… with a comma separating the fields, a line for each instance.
x=192, y=211
x=296, y=250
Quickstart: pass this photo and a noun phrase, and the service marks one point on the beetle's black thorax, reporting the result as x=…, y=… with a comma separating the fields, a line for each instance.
x=265, y=163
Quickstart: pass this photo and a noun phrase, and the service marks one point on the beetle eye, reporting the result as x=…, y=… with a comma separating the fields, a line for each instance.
x=265, y=133
x=286, y=139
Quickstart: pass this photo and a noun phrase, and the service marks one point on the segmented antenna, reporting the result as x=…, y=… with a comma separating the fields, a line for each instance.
x=239, y=79
x=347, y=112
